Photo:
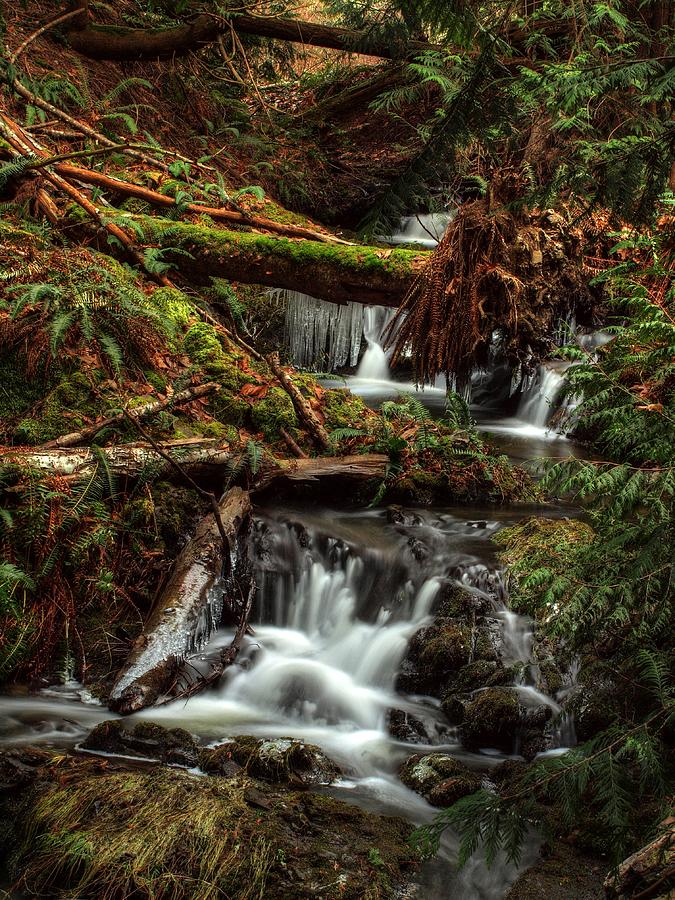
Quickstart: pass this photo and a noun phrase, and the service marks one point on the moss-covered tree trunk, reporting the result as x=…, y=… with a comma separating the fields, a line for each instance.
x=336, y=273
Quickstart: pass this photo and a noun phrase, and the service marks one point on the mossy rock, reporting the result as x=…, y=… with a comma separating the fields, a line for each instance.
x=477, y=674
x=447, y=650
x=440, y=779
x=86, y=831
x=176, y=510
x=202, y=344
x=174, y=306
x=343, y=409
x=145, y=740
x=491, y=719
x=65, y=409
x=230, y=410
x=272, y=413
x=283, y=760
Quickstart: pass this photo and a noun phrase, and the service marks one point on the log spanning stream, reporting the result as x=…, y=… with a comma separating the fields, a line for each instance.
x=340, y=594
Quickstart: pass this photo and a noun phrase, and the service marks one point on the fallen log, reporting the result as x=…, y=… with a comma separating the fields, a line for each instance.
x=120, y=43
x=200, y=456
x=334, y=272
x=190, y=606
x=110, y=42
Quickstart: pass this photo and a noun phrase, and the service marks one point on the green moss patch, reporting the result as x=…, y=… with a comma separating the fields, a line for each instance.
x=90, y=833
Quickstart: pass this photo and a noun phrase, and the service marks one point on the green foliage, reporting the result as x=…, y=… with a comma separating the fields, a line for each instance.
x=93, y=303
x=11, y=170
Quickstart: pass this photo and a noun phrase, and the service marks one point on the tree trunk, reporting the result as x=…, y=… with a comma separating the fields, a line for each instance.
x=187, y=609
x=107, y=42
x=127, y=189
x=334, y=272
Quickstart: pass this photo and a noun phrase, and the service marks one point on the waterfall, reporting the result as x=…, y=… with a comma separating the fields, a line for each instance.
x=541, y=394
x=374, y=364
x=425, y=229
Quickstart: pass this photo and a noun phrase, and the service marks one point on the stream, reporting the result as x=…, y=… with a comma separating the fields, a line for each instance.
x=340, y=594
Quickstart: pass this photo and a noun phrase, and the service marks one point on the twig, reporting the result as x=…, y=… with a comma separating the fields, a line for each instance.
x=181, y=471
x=79, y=437
x=36, y=34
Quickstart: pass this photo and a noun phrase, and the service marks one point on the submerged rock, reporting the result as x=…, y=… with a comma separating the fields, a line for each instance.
x=491, y=719
x=440, y=779
x=145, y=740
x=283, y=760
x=88, y=830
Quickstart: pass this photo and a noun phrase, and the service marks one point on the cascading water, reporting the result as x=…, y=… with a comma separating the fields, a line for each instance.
x=540, y=396
x=339, y=597
x=374, y=363
x=425, y=229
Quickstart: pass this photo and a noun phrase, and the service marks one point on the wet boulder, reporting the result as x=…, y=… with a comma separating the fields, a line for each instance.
x=405, y=727
x=440, y=779
x=491, y=719
x=146, y=740
x=281, y=761
x=434, y=653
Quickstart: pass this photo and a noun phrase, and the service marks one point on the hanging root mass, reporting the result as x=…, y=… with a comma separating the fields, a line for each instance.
x=446, y=318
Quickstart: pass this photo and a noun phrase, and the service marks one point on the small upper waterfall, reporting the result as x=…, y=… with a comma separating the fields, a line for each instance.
x=425, y=229
x=541, y=395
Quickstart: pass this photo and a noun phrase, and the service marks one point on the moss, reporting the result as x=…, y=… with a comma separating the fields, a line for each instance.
x=283, y=760
x=157, y=381
x=65, y=409
x=272, y=413
x=88, y=832
x=441, y=779
x=491, y=719
x=174, y=305
x=202, y=344
x=219, y=242
x=477, y=674
x=532, y=544
x=231, y=411
x=176, y=509
x=449, y=649
x=343, y=409
x=18, y=393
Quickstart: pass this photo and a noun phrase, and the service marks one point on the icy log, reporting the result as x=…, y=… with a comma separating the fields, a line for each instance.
x=335, y=272
x=196, y=455
x=190, y=605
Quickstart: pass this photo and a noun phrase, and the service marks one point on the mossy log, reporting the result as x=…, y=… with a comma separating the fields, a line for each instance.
x=334, y=272
x=186, y=609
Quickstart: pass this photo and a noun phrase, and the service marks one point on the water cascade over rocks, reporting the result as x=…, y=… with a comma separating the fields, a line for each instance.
x=341, y=600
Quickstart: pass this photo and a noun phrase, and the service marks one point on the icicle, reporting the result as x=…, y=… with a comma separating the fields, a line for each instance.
x=321, y=335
